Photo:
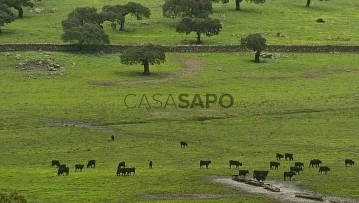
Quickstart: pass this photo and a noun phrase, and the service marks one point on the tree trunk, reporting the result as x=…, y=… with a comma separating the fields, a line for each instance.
x=238, y=7
x=122, y=24
x=146, y=68
x=199, y=38
x=308, y=3
x=21, y=12
x=256, y=59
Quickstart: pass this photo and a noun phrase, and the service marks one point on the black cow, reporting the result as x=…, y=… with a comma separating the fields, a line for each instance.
x=288, y=156
x=130, y=170
x=55, y=163
x=349, y=162
x=243, y=172
x=324, y=168
x=279, y=156
x=183, y=144
x=150, y=165
x=121, y=164
x=289, y=174
x=260, y=175
x=91, y=163
x=320, y=20
x=274, y=164
x=295, y=169
x=315, y=162
x=236, y=163
x=112, y=138
x=63, y=170
x=79, y=166
x=299, y=164
x=125, y=171
x=204, y=163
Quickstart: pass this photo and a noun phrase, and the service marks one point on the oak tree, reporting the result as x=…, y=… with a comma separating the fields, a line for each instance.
x=145, y=55
x=200, y=26
x=256, y=43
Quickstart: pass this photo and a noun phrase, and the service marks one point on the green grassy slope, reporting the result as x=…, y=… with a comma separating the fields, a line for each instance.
x=296, y=23
x=306, y=104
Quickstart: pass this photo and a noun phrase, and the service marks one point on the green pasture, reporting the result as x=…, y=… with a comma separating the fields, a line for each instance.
x=306, y=104
x=295, y=23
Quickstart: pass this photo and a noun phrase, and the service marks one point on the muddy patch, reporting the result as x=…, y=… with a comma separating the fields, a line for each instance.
x=190, y=67
x=287, y=193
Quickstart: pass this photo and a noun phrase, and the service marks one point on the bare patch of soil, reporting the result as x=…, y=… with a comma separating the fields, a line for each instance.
x=288, y=189
x=190, y=67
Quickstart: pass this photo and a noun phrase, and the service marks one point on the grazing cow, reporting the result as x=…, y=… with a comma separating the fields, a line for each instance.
x=121, y=164
x=324, y=168
x=296, y=169
x=150, y=165
x=315, y=162
x=55, y=163
x=204, y=163
x=63, y=170
x=125, y=171
x=274, y=164
x=91, y=163
x=236, y=163
x=279, y=156
x=320, y=20
x=243, y=172
x=79, y=166
x=121, y=171
x=289, y=175
x=183, y=144
x=260, y=175
x=130, y=170
x=288, y=156
x=112, y=138
x=349, y=162
x=299, y=164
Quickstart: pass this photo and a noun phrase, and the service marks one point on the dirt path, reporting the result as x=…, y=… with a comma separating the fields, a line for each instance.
x=190, y=67
x=286, y=194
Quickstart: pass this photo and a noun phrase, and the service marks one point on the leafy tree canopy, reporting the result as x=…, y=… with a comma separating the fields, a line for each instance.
x=82, y=15
x=6, y=16
x=83, y=26
x=254, y=42
x=118, y=12
x=187, y=8
x=88, y=33
x=145, y=55
x=206, y=26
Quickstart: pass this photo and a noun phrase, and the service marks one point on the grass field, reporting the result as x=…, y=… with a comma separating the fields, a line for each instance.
x=296, y=23
x=306, y=104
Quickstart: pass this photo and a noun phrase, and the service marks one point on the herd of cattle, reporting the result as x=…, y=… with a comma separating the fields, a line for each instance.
x=259, y=175
x=121, y=168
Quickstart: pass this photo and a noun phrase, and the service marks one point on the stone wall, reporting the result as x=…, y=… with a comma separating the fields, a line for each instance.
x=175, y=48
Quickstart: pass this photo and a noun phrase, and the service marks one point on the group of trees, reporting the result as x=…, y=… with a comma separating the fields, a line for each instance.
x=195, y=17
x=84, y=24
x=6, y=16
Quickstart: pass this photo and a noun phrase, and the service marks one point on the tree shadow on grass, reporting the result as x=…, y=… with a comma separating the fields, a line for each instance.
x=136, y=73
